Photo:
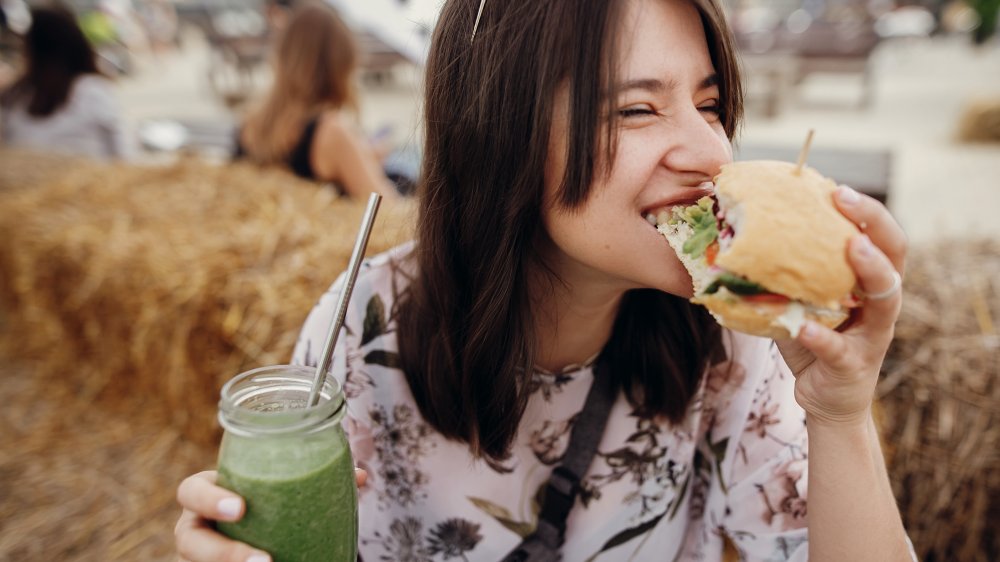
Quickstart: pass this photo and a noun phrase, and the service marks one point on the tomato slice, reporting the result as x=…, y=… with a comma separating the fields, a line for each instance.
x=850, y=301
x=767, y=298
x=710, y=252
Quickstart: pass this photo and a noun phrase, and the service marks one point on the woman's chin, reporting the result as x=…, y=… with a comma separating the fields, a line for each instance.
x=674, y=280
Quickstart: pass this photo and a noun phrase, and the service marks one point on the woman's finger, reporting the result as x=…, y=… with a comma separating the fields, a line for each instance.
x=829, y=346
x=199, y=543
x=874, y=220
x=199, y=494
x=360, y=476
x=878, y=280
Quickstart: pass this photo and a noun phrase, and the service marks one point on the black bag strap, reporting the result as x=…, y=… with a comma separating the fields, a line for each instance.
x=564, y=482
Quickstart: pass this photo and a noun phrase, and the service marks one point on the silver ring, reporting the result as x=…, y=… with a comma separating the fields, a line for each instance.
x=897, y=284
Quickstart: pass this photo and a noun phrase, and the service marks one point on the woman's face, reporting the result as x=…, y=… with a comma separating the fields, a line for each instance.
x=670, y=141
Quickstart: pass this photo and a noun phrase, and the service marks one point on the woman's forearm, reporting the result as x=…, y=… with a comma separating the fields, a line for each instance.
x=852, y=511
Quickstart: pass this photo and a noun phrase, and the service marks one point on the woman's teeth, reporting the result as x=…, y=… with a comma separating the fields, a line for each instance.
x=658, y=218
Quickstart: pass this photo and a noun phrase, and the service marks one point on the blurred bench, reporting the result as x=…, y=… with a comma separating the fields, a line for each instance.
x=867, y=170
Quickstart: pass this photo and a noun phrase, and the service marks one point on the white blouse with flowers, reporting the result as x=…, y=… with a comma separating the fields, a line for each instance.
x=734, y=470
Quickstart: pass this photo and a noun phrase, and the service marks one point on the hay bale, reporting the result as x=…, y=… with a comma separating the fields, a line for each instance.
x=940, y=397
x=81, y=483
x=21, y=168
x=980, y=121
x=127, y=281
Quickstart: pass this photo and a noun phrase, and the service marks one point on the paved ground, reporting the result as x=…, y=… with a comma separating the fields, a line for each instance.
x=939, y=187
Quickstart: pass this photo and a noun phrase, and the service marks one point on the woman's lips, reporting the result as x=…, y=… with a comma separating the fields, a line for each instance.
x=660, y=213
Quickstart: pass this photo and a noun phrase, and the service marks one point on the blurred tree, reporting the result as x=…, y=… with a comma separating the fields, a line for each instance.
x=987, y=11
x=97, y=28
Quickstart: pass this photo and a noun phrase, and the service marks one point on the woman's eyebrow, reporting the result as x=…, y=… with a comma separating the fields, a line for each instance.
x=656, y=86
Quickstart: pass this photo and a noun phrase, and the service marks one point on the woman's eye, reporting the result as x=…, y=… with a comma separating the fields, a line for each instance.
x=713, y=107
x=636, y=111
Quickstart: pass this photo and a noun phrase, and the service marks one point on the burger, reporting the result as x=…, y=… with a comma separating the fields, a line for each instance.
x=768, y=251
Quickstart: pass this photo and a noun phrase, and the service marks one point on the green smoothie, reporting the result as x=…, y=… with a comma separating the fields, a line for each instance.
x=300, y=494
x=292, y=465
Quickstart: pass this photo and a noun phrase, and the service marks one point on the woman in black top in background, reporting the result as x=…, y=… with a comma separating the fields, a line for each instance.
x=305, y=122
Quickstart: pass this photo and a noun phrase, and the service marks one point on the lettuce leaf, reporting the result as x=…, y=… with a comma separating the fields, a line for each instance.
x=701, y=218
x=736, y=284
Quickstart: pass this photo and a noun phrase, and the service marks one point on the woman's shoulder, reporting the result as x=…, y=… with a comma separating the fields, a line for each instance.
x=394, y=267
x=333, y=125
x=333, y=137
x=381, y=279
x=93, y=85
x=383, y=276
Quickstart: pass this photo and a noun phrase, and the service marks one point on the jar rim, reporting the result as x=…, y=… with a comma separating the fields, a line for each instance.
x=295, y=381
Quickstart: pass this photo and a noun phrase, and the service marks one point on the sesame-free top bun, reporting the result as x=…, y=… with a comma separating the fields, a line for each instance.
x=789, y=235
x=762, y=319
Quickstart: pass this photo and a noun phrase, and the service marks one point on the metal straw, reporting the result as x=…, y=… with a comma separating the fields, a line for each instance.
x=345, y=296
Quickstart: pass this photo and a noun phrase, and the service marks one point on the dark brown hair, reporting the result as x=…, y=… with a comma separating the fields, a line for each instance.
x=57, y=53
x=466, y=334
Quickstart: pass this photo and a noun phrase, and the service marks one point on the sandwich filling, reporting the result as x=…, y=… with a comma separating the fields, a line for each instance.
x=698, y=233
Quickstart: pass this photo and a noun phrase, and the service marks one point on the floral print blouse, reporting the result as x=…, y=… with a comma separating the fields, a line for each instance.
x=734, y=471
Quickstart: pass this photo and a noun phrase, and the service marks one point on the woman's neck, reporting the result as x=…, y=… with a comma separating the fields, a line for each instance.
x=573, y=319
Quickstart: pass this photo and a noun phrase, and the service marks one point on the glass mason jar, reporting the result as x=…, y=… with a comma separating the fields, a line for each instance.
x=292, y=465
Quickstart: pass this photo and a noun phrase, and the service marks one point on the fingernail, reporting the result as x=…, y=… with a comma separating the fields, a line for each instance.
x=808, y=331
x=229, y=507
x=865, y=247
x=847, y=195
x=259, y=558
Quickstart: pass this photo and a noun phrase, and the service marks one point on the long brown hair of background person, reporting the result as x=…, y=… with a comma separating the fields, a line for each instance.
x=313, y=71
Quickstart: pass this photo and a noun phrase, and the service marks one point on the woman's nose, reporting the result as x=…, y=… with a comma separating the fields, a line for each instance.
x=701, y=146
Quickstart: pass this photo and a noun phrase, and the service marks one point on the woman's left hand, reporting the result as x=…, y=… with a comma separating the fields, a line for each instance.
x=836, y=371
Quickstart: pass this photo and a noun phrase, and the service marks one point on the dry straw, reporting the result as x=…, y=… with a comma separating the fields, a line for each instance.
x=128, y=282
x=940, y=397
x=80, y=482
x=23, y=169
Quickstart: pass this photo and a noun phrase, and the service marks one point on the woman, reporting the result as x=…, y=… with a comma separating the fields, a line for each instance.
x=549, y=138
x=62, y=102
x=303, y=123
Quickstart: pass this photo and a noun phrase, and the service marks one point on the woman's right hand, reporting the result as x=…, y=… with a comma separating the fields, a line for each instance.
x=204, y=502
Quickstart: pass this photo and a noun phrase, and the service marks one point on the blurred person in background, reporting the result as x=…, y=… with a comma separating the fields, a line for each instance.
x=307, y=122
x=61, y=102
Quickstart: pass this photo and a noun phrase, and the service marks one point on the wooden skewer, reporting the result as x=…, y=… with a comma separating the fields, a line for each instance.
x=805, y=152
